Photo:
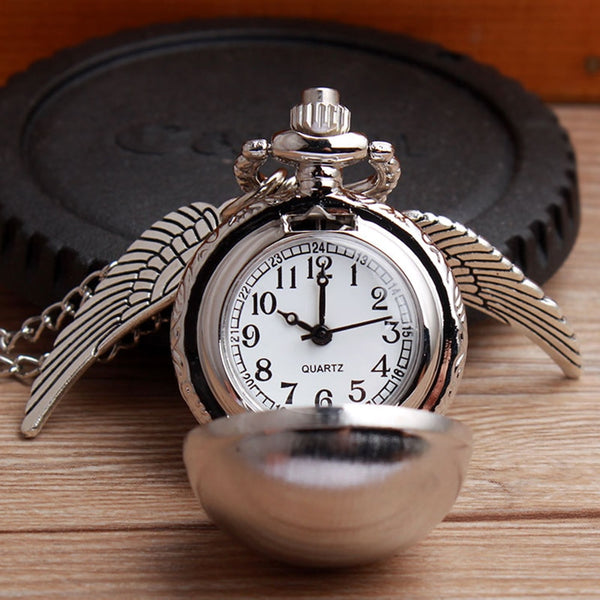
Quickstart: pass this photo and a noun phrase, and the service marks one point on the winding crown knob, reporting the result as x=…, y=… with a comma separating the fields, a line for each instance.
x=320, y=113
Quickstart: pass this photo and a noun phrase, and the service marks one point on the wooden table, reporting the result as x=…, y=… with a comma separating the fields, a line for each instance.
x=99, y=506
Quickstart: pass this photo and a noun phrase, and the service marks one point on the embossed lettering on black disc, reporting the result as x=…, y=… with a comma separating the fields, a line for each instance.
x=100, y=141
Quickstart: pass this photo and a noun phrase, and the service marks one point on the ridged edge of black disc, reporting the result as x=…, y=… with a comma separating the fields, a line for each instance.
x=47, y=271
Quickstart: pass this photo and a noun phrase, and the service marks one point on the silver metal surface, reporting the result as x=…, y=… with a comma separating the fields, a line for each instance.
x=320, y=113
x=272, y=190
x=329, y=487
x=492, y=284
x=320, y=145
x=134, y=289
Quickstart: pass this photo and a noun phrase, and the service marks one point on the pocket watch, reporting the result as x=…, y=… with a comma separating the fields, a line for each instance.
x=306, y=290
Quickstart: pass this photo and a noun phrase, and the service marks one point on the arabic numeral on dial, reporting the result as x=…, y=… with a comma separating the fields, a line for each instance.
x=353, y=276
x=381, y=366
x=357, y=393
x=266, y=303
x=322, y=263
x=251, y=336
x=292, y=386
x=292, y=278
x=379, y=294
x=263, y=369
x=310, y=268
x=393, y=335
x=324, y=397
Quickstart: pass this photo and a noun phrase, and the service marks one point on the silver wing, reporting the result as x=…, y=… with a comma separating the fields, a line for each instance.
x=490, y=283
x=137, y=286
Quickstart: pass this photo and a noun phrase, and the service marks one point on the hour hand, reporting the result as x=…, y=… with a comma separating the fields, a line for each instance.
x=291, y=318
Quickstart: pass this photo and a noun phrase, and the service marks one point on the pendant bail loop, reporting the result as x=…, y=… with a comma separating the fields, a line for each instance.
x=319, y=144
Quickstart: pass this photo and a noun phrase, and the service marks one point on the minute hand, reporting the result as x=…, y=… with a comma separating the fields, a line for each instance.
x=353, y=325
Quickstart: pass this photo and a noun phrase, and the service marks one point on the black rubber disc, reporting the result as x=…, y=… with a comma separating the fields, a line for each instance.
x=100, y=141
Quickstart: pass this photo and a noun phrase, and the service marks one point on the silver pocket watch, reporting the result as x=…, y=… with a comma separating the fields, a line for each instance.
x=304, y=291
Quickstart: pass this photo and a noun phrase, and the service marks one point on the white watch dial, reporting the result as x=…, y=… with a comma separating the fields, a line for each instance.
x=320, y=319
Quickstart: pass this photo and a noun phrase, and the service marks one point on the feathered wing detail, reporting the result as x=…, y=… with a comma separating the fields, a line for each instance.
x=490, y=283
x=137, y=286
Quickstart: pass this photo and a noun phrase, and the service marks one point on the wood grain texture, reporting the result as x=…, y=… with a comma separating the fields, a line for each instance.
x=99, y=506
x=551, y=46
x=459, y=560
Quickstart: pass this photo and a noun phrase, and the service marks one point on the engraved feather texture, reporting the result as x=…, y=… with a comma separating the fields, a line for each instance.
x=492, y=284
x=137, y=286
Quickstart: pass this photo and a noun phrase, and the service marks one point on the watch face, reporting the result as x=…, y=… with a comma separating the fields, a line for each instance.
x=320, y=318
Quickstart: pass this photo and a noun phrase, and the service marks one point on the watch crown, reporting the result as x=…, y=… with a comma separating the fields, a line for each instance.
x=320, y=113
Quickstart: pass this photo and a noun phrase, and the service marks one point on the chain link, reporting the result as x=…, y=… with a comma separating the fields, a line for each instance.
x=26, y=367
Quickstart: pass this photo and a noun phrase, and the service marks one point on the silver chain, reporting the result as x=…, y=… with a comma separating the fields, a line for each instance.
x=26, y=367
